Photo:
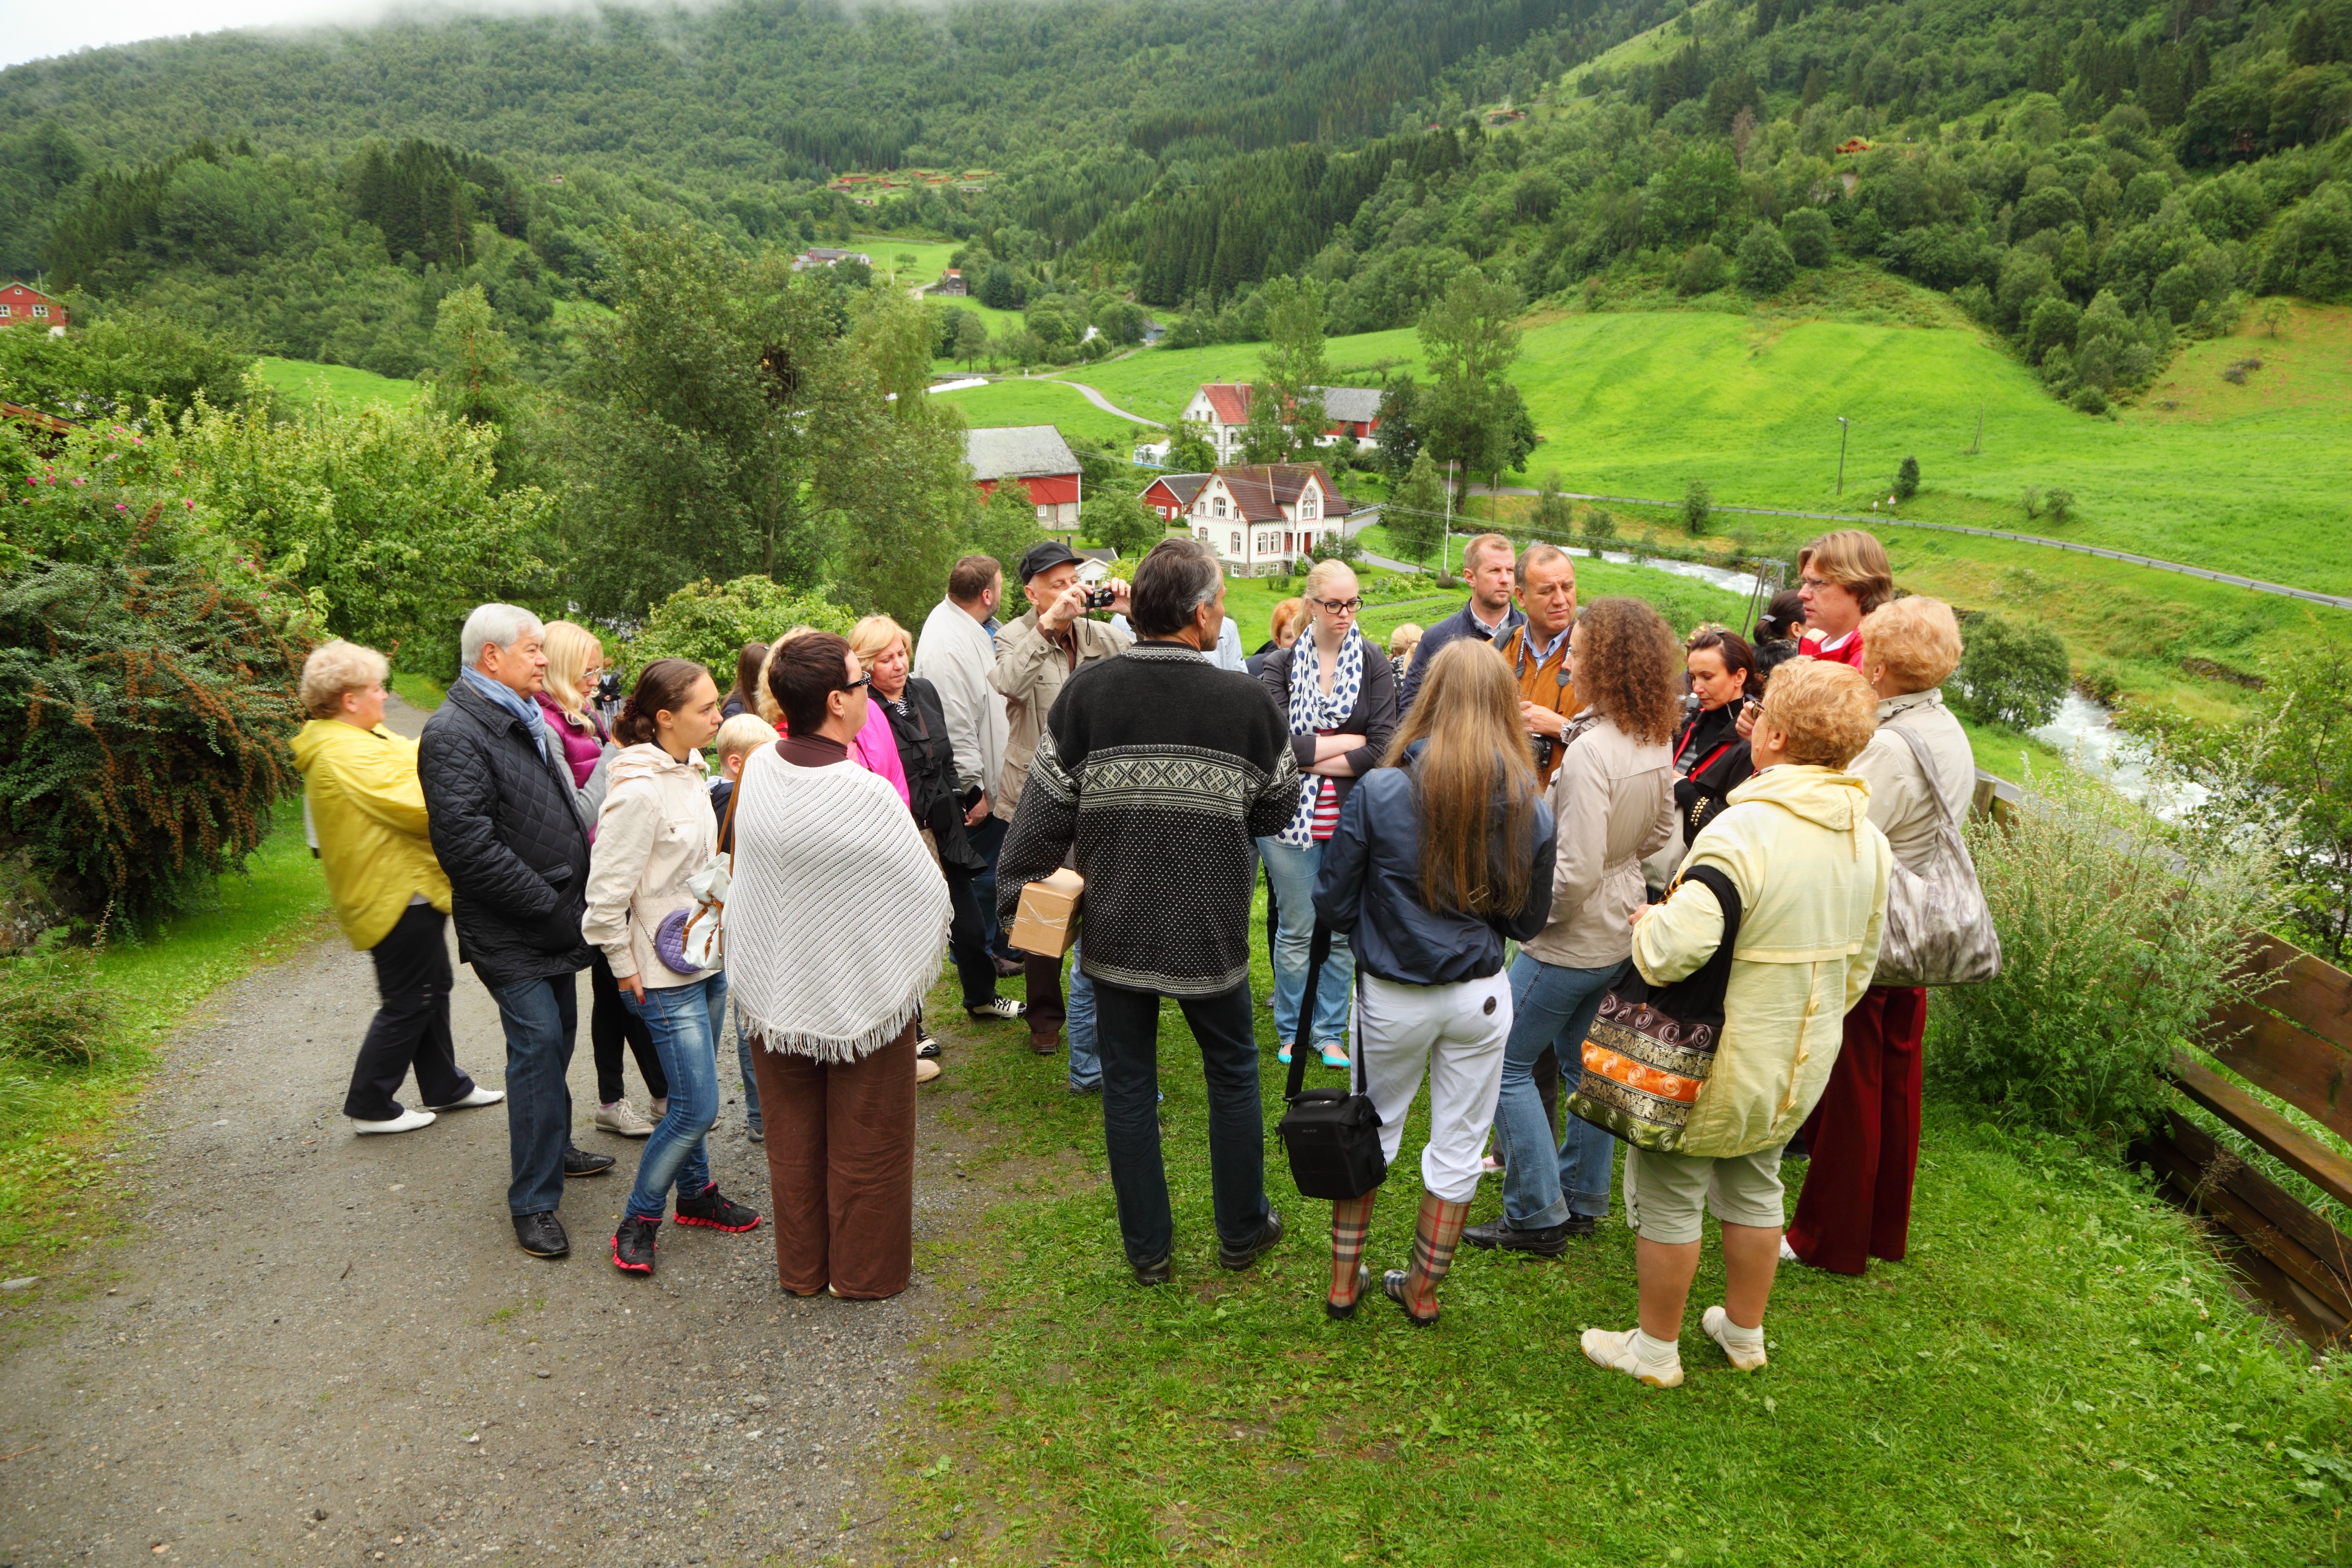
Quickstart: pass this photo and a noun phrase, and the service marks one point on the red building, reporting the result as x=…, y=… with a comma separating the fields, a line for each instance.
x=1036, y=457
x=19, y=304
x=1171, y=495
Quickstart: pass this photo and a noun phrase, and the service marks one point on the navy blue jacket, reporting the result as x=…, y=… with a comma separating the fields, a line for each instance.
x=1453, y=628
x=1370, y=887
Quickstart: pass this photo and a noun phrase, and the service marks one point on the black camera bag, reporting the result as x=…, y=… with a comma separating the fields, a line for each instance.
x=1333, y=1136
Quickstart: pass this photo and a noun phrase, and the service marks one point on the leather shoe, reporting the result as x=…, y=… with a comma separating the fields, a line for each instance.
x=1006, y=968
x=1242, y=1257
x=541, y=1235
x=1046, y=1044
x=1157, y=1271
x=1550, y=1241
x=580, y=1162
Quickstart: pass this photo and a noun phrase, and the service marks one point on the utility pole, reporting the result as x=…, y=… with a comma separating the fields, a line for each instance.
x=1447, y=538
x=1978, y=448
x=1842, y=435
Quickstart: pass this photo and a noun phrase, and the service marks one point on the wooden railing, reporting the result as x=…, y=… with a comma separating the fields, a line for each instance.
x=2296, y=1042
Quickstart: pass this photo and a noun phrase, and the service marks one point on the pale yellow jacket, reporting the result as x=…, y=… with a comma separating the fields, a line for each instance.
x=1798, y=843
x=368, y=811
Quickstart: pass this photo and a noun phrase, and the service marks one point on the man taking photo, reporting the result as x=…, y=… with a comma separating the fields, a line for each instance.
x=1156, y=772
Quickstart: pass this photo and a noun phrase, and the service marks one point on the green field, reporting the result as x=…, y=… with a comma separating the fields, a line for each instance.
x=1014, y=401
x=931, y=262
x=303, y=381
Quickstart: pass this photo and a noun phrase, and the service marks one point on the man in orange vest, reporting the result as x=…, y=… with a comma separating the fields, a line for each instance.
x=1545, y=587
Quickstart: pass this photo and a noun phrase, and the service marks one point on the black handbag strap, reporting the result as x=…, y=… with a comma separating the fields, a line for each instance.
x=1318, y=948
x=1710, y=979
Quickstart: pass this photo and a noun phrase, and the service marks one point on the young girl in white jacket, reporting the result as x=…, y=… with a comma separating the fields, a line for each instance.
x=655, y=831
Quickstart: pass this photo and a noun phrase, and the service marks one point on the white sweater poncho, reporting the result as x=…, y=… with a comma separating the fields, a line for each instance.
x=837, y=919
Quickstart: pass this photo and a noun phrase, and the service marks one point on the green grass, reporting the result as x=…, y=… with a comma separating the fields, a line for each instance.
x=930, y=264
x=2058, y=1374
x=1041, y=402
x=303, y=381
x=419, y=692
x=53, y=1140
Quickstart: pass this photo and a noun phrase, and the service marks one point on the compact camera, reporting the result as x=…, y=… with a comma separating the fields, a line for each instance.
x=608, y=689
x=1542, y=746
x=1100, y=598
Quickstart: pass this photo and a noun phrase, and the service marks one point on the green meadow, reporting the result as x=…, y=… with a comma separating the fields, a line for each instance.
x=1036, y=400
x=305, y=380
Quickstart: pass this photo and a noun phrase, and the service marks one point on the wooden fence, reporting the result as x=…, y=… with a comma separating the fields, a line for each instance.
x=2294, y=1043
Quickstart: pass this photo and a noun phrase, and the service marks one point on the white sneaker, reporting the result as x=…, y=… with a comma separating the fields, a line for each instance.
x=1615, y=1351
x=1744, y=1357
x=1788, y=1252
x=926, y=1070
x=1002, y=1007
x=661, y=1108
x=621, y=1116
x=479, y=1096
x=406, y=1122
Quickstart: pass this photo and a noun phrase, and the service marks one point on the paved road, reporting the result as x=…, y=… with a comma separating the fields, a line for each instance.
x=1108, y=406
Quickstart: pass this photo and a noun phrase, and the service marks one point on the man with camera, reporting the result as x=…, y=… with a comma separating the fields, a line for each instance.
x=1034, y=657
x=1545, y=580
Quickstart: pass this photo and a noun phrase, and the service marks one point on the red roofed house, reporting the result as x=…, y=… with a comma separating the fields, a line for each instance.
x=1171, y=495
x=1036, y=457
x=19, y=304
x=1266, y=516
x=1223, y=407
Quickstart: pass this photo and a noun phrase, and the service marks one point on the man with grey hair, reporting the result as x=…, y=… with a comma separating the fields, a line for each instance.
x=511, y=834
x=1158, y=772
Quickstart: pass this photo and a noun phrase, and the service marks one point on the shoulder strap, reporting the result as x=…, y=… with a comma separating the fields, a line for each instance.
x=1715, y=973
x=1318, y=948
x=1926, y=768
x=734, y=799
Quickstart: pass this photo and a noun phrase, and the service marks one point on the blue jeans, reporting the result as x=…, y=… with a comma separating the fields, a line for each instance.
x=540, y=1017
x=987, y=841
x=750, y=1082
x=1551, y=1005
x=686, y=1021
x=1086, y=1048
x=1291, y=873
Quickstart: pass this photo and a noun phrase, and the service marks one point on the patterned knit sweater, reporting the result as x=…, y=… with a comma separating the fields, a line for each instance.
x=1159, y=769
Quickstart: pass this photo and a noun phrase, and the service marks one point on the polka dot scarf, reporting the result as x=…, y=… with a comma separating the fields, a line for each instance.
x=1313, y=712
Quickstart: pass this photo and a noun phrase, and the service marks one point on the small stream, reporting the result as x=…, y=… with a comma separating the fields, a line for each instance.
x=2083, y=732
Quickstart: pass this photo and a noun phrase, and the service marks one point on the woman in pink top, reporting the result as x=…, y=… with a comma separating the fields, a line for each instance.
x=876, y=750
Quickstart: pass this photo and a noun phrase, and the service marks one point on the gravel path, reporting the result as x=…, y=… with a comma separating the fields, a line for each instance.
x=315, y=1347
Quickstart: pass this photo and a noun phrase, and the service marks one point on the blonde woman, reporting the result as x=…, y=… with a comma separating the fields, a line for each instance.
x=367, y=810
x=1441, y=856
x=575, y=659
x=1403, y=643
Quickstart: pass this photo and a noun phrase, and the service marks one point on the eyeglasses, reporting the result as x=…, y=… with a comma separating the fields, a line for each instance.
x=1815, y=582
x=1342, y=606
x=865, y=679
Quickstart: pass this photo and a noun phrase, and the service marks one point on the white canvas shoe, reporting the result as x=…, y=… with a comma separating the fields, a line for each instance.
x=1616, y=1350
x=622, y=1118
x=1744, y=1346
x=480, y=1095
x=406, y=1122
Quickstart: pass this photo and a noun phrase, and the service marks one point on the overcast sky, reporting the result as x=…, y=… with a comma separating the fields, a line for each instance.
x=35, y=31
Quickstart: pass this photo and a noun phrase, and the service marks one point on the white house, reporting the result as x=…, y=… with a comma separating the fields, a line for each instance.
x=1266, y=517
x=1222, y=407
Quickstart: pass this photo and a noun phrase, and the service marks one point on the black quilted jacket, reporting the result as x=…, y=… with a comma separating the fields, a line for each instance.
x=509, y=838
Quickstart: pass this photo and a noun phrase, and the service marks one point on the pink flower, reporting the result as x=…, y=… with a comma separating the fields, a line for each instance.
x=120, y=507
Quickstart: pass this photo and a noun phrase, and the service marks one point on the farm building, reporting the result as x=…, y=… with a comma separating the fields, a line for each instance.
x=20, y=305
x=1038, y=459
x=1266, y=517
x=1223, y=407
x=1172, y=495
x=824, y=256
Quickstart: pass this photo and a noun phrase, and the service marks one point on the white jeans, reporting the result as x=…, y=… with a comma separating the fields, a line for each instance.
x=1453, y=1035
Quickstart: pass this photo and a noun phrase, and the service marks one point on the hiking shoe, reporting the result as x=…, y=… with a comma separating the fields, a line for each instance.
x=1547, y=1241
x=1620, y=1352
x=1745, y=1347
x=633, y=1245
x=580, y=1162
x=716, y=1211
x=406, y=1122
x=1242, y=1257
x=622, y=1118
x=1003, y=1009
x=1157, y=1271
x=541, y=1235
x=475, y=1096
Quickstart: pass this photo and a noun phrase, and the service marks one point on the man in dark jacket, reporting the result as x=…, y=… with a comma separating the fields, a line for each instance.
x=1157, y=770
x=1488, y=566
x=512, y=833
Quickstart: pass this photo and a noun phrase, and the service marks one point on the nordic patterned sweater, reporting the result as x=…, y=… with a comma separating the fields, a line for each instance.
x=1159, y=769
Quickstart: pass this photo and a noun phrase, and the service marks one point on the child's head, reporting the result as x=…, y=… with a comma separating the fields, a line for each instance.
x=738, y=738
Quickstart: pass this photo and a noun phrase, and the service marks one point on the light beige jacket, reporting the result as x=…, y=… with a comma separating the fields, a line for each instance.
x=1900, y=804
x=656, y=830
x=1613, y=798
x=1798, y=843
x=1029, y=669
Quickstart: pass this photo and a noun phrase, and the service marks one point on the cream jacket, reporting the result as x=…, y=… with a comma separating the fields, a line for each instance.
x=1798, y=843
x=655, y=829
x=1900, y=804
x=955, y=655
x=1029, y=669
x=1613, y=798
x=368, y=812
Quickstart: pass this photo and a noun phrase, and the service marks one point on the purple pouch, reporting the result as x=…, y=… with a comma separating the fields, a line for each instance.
x=669, y=942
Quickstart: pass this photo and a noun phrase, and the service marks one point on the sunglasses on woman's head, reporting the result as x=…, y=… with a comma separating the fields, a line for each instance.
x=865, y=679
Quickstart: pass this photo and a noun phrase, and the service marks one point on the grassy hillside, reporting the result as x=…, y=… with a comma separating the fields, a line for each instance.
x=1041, y=402
x=306, y=380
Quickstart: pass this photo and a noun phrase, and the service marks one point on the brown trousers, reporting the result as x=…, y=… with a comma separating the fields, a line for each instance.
x=840, y=1138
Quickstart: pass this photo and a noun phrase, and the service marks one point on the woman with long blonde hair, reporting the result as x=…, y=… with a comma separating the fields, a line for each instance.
x=1439, y=856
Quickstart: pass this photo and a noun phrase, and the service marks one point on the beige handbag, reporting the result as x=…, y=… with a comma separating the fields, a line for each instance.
x=1939, y=930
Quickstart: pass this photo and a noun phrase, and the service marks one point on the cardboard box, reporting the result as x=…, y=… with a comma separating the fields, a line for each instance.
x=1048, y=922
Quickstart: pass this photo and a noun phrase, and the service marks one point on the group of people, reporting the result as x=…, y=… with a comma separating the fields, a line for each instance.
x=1524, y=774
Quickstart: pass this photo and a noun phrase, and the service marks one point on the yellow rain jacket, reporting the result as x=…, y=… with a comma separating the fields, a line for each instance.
x=1812, y=870
x=368, y=811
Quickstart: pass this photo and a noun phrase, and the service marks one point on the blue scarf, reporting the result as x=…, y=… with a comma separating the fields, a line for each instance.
x=534, y=723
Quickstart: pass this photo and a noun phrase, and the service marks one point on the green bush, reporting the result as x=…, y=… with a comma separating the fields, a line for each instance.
x=2089, y=400
x=2061, y=503
x=144, y=712
x=1601, y=523
x=2010, y=673
x=1702, y=270
x=709, y=624
x=1807, y=232
x=2119, y=935
x=1906, y=479
x=52, y=1013
x=1698, y=506
x=1766, y=267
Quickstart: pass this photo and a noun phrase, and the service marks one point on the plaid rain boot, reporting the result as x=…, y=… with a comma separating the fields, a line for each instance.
x=1435, y=1236
x=1351, y=1221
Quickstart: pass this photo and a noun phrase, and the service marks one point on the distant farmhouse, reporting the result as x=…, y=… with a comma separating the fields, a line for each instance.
x=822, y=256
x=21, y=306
x=1035, y=458
x=1259, y=518
x=1172, y=495
x=952, y=284
x=1223, y=407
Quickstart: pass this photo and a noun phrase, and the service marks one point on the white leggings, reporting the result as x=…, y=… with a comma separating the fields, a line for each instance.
x=1452, y=1034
